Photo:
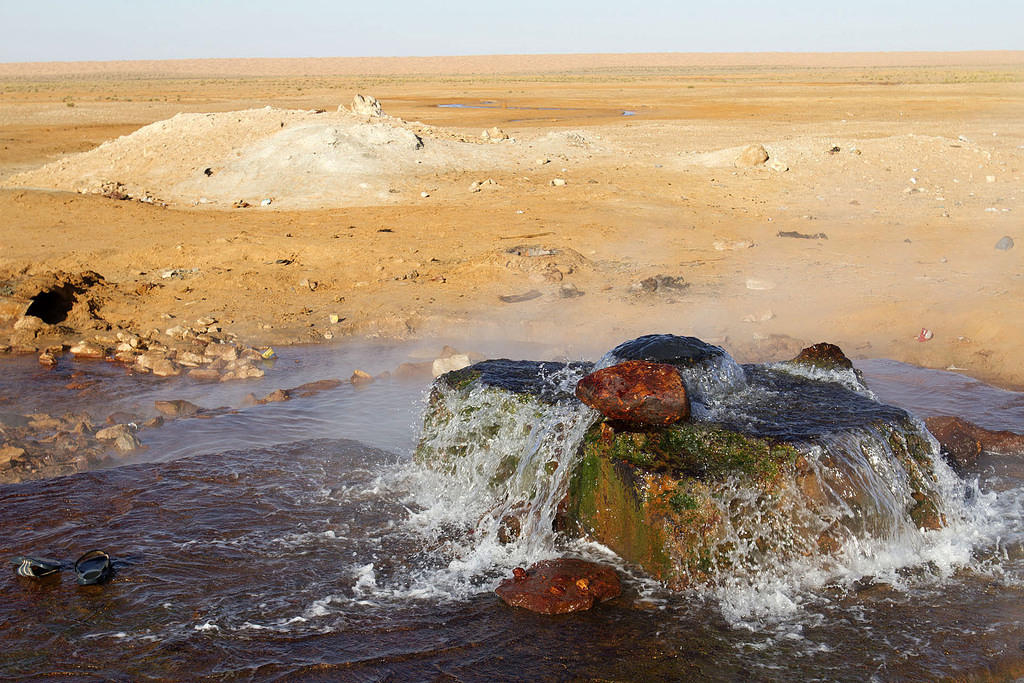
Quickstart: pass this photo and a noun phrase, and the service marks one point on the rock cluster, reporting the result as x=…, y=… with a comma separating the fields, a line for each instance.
x=201, y=350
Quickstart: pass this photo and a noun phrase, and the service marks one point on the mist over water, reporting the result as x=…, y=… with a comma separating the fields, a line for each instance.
x=302, y=539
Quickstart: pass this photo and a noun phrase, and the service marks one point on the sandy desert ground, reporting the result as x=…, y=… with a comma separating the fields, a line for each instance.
x=890, y=180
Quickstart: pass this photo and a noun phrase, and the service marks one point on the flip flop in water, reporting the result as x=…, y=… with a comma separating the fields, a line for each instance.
x=93, y=567
x=34, y=567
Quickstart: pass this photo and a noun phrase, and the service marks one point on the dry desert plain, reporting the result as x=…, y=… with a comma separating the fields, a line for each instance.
x=626, y=200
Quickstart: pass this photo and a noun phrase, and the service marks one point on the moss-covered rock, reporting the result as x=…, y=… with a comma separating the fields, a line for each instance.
x=662, y=498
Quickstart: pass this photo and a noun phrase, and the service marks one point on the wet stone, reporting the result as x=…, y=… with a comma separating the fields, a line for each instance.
x=636, y=392
x=177, y=408
x=682, y=352
x=962, y=441
x=824, y=356
x=560, y=586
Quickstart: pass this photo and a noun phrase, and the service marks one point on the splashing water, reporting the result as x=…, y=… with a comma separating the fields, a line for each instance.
x=507, y=454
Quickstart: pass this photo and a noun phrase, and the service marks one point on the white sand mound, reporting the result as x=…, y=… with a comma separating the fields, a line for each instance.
x=296, y=158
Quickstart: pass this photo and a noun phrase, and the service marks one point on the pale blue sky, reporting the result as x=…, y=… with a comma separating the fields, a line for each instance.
x=53, y=30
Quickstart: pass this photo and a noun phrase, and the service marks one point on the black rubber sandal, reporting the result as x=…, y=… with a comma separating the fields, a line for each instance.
x=34, y=567
x=93, y=567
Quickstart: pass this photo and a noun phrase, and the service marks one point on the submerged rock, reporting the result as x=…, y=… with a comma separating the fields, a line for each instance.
x=962, y=441
x=560, y=586
x=637, y=392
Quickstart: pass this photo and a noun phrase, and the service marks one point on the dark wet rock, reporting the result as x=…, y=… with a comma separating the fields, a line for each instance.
x=962, y=441
x=154, y=422
x=113, y=433
x=276, y=396
x=313, y=388
x=823, y=356
x=682, y=352
x=1005, y=243
x=204, y=374
x=516, y=376
x=560, y=586
x=127, y=442
x=177, y=408
x=121, y=417
x=636, y=392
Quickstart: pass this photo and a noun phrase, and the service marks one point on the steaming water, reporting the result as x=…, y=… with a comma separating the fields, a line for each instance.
x=268, y=544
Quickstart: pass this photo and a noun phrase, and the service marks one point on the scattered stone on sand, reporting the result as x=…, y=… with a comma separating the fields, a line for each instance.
x=518, y=298
x=778, y=166
x=763, y=316
x=560, y=586
x=660, y=284
x=177, y=408
x=636, y=392
x=801, y=235
x=494, y=134
x=1005, y=243
x=759, y=285
x=558, y=182
x=752, y=155
x=366, y=105
x=732, y=245
x=569, y=291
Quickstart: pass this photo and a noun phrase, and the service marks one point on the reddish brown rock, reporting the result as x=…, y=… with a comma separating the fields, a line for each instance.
x=962, y=441
x=825, y=356
x=560, y=586
x=637, y=392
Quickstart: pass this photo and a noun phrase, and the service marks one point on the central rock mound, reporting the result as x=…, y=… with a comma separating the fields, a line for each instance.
x=776, y=463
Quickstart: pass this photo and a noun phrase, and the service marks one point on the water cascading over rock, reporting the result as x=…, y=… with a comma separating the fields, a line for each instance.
x=775, y=462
